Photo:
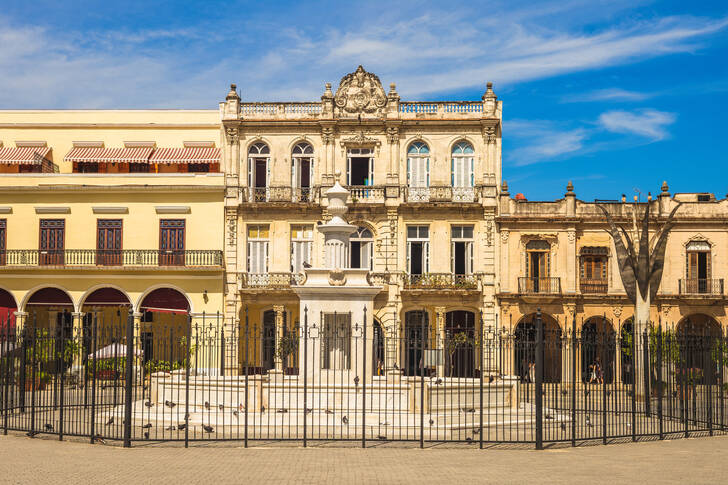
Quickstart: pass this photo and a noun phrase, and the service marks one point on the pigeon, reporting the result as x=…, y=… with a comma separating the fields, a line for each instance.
x=30, y=434
x=586, y=393
x=187, y=416
x=306, y=264
x=329, y=411
x=99, y=439
x=48, y=427
x=563, y=427
x=262, y=409
x=148, y=404
x=476, y=430
x=110, y=421
x=432, y=421
x=491, y=379
x=171, y=428
x=207, y=428
x=395, y=367
x=169, y=404
x=438, y=381
x=548, y=416
x=221, y=407
x=356, y=381
x=345, y=420
x=468, y=438
x=282, y=410
x=588, y=422
x=380, y=437
x=235, y=413
x=147, y=426
x=146, y=435
x=181, y=426
x=207, y=405
x=307, y=411
x=241, y=407
x=467, y=410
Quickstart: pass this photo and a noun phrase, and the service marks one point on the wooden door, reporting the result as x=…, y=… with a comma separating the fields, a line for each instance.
x=172, y=242
x=108, y=242
x=52, y=237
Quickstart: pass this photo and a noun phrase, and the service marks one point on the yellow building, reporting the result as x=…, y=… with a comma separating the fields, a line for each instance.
x=110, y=213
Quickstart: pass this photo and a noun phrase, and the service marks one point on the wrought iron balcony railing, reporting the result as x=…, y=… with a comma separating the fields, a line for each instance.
x=701, y=286
x=593, y=286
x=550, y=285
x=418, y=194
x=441, y=281
x=274, y=280
x=111, y=257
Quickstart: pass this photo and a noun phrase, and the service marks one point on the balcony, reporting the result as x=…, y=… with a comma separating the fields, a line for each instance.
x=701, y=286
x=540, y=286
x=366, y=194
x=441, y=281
x=417, y=194
x=114, y=258
x=270, y=281
x=588, y=286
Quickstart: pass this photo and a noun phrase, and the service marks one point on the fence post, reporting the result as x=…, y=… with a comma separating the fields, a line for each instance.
x=32, y=378
x=422, y=379
x=707, y=358
x=247, y=366
x=634, y=381
x=128, y=376
x=188, y=357
x=539, y=380
x=6, y=387
x=305, y=373
x=573, y=382
x=646, y=371
x=23, y=365
x=721, y=391
x=222, y=350
x=605, y=345
x=481, y=349
x=94, y=329
x=659, y=380
x=61, y=362
x=364, y=386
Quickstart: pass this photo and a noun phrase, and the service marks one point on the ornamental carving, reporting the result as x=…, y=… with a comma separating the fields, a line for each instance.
x=392, y=135
x=360, y=92
x=489, y=134
x=233, y=135
x=327, y=135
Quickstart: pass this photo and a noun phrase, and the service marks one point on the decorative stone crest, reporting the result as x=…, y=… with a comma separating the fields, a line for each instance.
x=392, y=134
x=360, y=92
x=233, y=135
x=489, y=134
x=337, y=278
x=327, y=135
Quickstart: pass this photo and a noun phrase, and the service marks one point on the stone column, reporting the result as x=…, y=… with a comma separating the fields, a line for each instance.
x=440, y=327
x=279, y=309
x=504, y=269
x=77, y=334
x=20, y=318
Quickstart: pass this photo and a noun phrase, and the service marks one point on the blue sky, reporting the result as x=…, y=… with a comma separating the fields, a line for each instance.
x=616, y=96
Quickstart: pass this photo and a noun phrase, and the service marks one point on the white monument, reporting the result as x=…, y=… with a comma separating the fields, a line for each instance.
x=334, y=299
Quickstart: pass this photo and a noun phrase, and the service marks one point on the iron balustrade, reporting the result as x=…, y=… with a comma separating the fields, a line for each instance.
x=417, y=194
x=549, y=285
x=441, y=281
x=271, y=280
x=113, y=257
x=701, y=286
x=593, y=286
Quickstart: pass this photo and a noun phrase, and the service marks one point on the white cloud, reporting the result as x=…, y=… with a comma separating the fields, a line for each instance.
x=540, y=141
x=648, y=123
x=609, y=94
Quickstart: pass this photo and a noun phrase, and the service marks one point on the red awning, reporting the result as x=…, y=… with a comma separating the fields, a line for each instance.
x=23, y=155
x=106, y=297
x=50, y=296
x=109, y=155
x=186, y=155
x=165, y=300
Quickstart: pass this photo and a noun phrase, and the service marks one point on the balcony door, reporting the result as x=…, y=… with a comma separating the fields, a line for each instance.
x=360, y=167
x=461, y=251
x=52, y=239
x=259, y=171
x=108, y=242
x=418, y=249
x=537, y=265
x=172, y=242
x=698, y=267
x=302, y=172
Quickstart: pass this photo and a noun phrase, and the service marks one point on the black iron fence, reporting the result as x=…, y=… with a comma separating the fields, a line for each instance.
x=335, y=376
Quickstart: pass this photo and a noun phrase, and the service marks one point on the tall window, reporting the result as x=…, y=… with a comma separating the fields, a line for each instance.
x=108, y=242
x=418, y=250
x=360, y=166
x=698, y=267
x=537, y=265
x=593, y=270
x=302, y=172
x=172, y=242
x=3, y=244
x=258, y=240
x=360, y=249
x=258, y=171
x=462, y=165
x=301, y=247
x=418, y=171
x=461, y=251
x=52, y=237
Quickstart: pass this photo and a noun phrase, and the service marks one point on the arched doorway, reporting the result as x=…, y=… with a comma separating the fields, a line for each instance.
x=597, y=350
x=8, y=307
x=49, y=308
x=459, y=344
x=525, y=348
x=626, y=350
x=268, y=340
x=412, y=350
x=163, y=328
x=109, y=309
x=697, y=337
x=377, y=348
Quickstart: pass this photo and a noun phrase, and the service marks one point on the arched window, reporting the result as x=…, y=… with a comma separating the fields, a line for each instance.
x=462, y=170
x=698, y=268
x=258, y=171
x=418, y=171
x=302, y=172
x=360, y=249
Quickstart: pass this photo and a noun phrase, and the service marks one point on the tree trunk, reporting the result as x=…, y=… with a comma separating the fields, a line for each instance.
x=641, y=324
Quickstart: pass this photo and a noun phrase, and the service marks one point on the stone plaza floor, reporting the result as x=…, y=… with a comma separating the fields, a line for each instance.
x=45, y=460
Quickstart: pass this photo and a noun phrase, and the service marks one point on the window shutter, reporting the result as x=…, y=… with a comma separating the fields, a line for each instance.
x=426, y=256
x=410, y=178
x=348, y=170
x=409, y=257
x=452, y=172
x=452, y=257
x=251, y=170
x=371, y=171
x=295, y=163
x=472, y=173
x=427, y=171
x=469, y=252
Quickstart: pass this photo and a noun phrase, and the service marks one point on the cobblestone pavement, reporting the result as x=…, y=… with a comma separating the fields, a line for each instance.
x=25, y=460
